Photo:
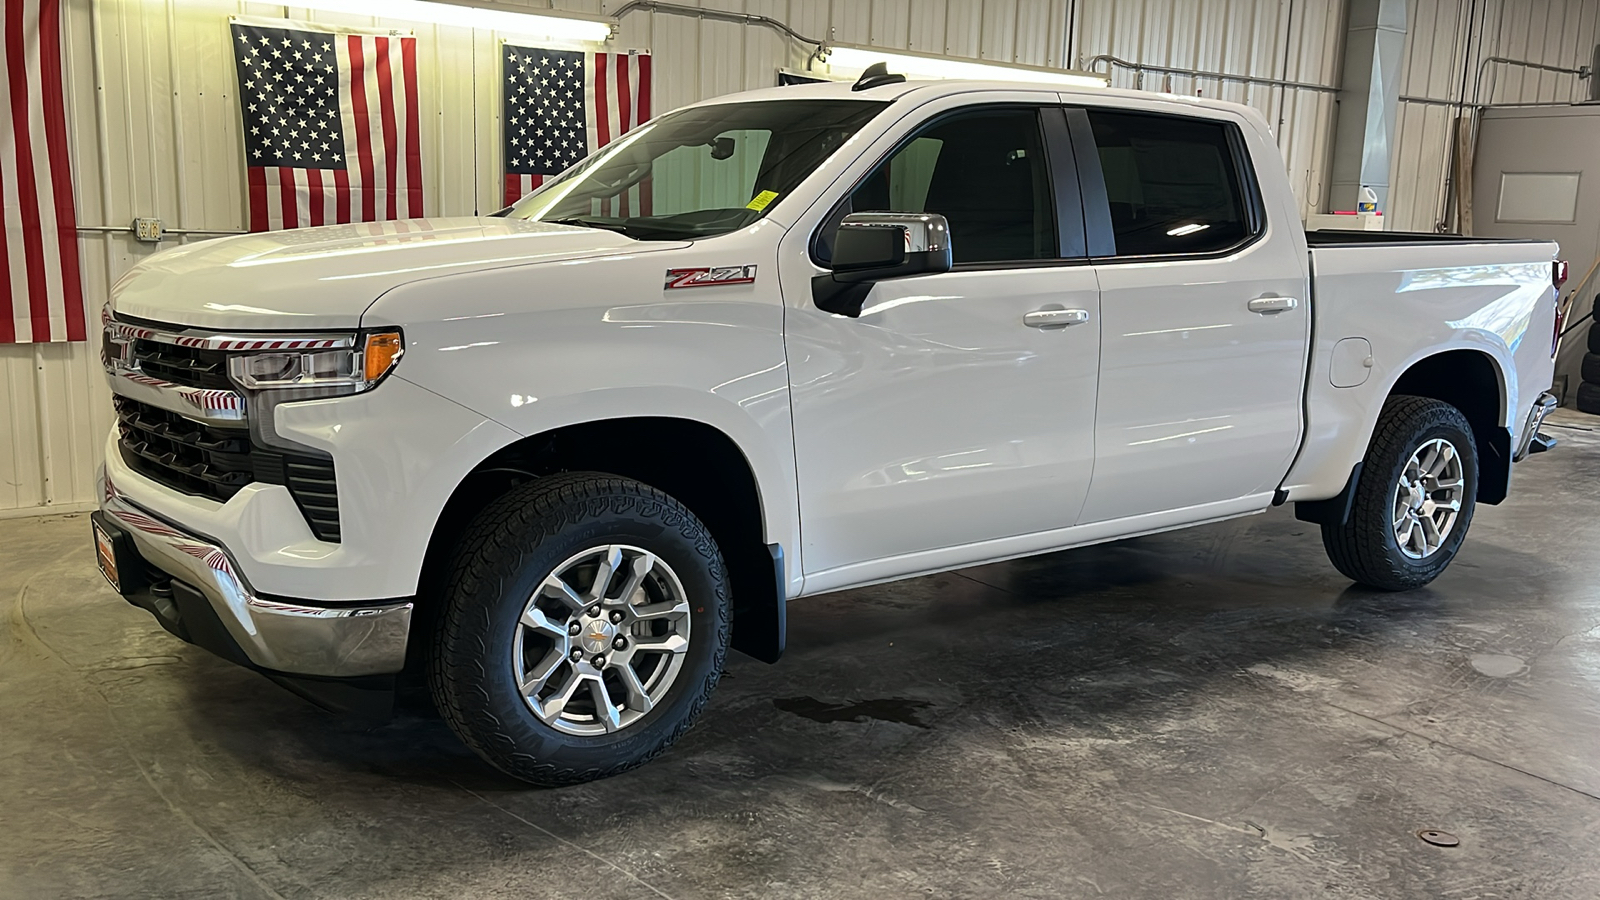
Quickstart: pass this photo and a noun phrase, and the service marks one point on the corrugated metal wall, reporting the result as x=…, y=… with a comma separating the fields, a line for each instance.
x=154, y=128
x=1448, y=42
x=1287, y=40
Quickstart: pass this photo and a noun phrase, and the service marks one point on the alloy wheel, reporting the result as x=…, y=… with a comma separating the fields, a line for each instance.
x=1427, y=498
x=601, y=640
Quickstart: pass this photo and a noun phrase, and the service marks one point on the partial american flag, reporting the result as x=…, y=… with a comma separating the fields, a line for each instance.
x=562, y=105
x=331, y=127
x=41, y=290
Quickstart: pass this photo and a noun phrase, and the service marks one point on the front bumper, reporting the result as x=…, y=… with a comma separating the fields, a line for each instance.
x=276, y=635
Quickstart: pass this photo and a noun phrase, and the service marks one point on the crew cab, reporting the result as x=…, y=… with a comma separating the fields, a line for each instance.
x=558, y=459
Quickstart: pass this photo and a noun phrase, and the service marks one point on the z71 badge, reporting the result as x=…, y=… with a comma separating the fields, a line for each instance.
x=710, y=276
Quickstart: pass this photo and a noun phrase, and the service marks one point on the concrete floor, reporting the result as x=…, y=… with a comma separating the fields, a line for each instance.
x=1209, y=713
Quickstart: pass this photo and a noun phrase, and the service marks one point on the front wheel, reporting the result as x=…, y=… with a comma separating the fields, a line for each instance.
x=1414, y=499
x=585, y=625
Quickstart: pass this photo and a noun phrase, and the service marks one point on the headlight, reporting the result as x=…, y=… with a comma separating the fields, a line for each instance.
x=353, y=368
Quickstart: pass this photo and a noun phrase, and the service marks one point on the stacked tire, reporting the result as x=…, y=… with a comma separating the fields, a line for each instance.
x=1589, y=390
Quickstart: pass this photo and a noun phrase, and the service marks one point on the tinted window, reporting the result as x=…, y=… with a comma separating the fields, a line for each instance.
x=1173, y=184
x=984, y=171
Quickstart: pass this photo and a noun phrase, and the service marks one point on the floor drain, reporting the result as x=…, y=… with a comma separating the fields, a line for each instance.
x=1439, y=838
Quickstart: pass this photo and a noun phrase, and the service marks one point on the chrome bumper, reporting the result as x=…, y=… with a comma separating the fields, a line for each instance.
x=1541, y=407
x=294, y=638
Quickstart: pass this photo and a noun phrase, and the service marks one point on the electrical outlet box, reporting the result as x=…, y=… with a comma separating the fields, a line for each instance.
x=148, y=230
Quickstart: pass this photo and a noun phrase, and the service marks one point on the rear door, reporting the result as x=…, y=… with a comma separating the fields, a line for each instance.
x=1204, y=319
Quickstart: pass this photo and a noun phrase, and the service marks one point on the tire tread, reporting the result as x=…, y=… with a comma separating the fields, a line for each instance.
x=1357, y=549
x=1590, y=370
x=504, y=532
x=1588, y=399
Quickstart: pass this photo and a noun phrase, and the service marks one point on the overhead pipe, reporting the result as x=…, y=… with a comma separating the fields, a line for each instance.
x=721, y=15
x=1583, y=73
x=1457, y=104
x=128, y=229
x=1117, y=62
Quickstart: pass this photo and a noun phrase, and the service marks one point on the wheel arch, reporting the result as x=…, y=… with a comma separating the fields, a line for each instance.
x=1474, y=382
x=1471, y=380
x=698, y=464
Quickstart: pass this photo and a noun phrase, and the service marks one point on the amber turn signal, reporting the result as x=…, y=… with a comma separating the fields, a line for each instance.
x=382, y=352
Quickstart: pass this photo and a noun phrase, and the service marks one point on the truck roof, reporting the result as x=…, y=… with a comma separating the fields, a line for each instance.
x=933, y=89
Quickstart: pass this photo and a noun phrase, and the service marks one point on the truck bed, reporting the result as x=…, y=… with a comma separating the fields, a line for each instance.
x=1390, y=299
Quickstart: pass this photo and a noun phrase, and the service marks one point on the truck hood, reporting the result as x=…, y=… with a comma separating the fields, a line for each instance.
x=315, y=278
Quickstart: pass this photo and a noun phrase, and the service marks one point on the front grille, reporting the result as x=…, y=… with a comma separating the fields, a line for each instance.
x=209, y=461
x=189, y=366
x=183, y=454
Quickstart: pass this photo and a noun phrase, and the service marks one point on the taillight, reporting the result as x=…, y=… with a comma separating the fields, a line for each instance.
x=1559, y=273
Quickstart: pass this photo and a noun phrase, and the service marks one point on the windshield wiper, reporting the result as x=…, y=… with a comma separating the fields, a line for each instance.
x=639, y=231
x=621, y=228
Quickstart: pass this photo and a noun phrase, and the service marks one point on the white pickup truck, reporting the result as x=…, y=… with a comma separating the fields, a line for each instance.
x=559, y=459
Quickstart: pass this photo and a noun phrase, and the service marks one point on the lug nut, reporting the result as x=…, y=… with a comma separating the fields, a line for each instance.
x=616, y=616
x=576, y=655
x=621, y=643
x=574, y=629
x=599, y=661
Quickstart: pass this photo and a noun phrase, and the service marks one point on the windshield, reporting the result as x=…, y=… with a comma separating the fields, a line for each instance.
x=698, y=172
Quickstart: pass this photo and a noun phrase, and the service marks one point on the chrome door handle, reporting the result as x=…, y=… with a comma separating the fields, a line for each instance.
x=1272, y=304
x=1055, y=318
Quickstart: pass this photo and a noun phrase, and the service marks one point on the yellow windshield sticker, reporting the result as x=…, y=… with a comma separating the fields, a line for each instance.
x=761, y=200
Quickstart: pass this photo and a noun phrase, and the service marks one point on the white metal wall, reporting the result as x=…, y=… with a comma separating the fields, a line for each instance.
x=154, y=128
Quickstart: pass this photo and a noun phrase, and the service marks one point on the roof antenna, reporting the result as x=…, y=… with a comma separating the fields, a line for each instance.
x=876, y=75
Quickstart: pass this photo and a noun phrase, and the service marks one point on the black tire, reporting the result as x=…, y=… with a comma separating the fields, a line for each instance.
x=1594, y=338
x=506, y=554
x=1591, y=368
x=1365, y=548
x=1589, y=398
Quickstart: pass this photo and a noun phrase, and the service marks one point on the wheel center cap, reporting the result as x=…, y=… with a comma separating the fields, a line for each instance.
x=596, y=635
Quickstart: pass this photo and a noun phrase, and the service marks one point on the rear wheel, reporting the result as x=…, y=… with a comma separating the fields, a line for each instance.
x=586, y=623
x=1414, y=500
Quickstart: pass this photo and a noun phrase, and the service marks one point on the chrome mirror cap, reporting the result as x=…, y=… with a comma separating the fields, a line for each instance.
x=924, y=232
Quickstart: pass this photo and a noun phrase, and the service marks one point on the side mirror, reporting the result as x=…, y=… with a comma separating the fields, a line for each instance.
x=877, y=246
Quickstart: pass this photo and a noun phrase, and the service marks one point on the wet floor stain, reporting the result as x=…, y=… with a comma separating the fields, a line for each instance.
x=887, y=709
x=1495, y=665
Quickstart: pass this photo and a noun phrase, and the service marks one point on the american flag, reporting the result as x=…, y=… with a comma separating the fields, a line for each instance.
x=331, y=127
x=562, y=105
x=41, y=292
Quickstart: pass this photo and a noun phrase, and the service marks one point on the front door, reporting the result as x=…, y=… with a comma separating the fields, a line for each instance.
x=1204, y=321
x=941, y=417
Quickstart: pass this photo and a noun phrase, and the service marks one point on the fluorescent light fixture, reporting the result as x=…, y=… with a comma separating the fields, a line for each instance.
x=1190, y=228
x=470, y=15
x=923, y=66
